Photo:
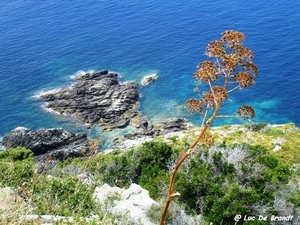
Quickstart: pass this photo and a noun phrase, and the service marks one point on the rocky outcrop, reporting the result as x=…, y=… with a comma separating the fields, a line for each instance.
x=172, y=125
x=97, y=98
x=147, y=131
x=154, y=130
x=148, y=79
x=50, y=145
x=134, y=201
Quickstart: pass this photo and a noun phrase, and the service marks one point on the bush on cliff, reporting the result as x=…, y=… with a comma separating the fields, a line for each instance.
x=16, y=166
x=218, y=187
x=65, y=196
x=146, y=165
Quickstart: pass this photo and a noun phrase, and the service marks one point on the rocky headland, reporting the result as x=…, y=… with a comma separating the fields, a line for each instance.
x=97, y=98
x=100, y=99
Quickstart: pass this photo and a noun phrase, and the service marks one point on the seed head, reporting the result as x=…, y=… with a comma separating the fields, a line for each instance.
x=229, y=62
x=215, y=49
x=244, y=79
x=250, y=67
x=206, y=71
x=246, y=112
x=194, y=105
x=216, y=95
x=232, y=37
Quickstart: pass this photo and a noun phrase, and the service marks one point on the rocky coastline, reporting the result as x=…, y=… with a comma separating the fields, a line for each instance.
x=96, y=99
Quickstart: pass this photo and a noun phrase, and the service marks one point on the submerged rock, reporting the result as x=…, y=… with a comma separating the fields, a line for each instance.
x=148, y=79
x=97, y=98
x=50, y=145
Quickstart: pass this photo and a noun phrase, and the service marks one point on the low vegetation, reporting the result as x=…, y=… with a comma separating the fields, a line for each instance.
x=230, y=178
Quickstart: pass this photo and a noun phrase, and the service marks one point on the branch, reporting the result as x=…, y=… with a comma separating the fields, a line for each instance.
x=233, y=89
x=204, y=117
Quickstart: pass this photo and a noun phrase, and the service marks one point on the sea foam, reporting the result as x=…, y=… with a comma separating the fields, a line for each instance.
x=81, y=73
x=46, y=92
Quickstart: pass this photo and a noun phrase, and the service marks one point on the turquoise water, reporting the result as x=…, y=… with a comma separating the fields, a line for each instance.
x=43, y=43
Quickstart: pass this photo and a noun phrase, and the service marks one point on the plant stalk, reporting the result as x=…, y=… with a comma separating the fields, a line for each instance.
x=181, y=159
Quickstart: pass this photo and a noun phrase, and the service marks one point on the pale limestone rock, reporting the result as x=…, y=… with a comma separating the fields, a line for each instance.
x=134, y=201
x=277, y=148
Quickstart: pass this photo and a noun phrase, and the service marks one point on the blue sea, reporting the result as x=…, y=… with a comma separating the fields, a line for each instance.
x=43, y=43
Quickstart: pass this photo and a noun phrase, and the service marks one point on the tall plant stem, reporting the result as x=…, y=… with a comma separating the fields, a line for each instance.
x=181, y=159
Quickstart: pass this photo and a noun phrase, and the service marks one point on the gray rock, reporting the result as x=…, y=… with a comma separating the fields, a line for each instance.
x=146, y=130
x=172, y=125
x=49, y=145
x=97, y=99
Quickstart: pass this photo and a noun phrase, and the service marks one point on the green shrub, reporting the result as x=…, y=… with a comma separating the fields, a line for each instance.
x=154, y=153
x=295, y=198
x=154, y=180
x=65, y=196
x=145, y=165
x=274, y=132
x=174, y=139
x=16, y=166
x=219, y=190
x=62, y=196
x=256, y=126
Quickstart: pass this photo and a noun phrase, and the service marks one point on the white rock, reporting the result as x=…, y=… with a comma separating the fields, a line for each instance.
x=134, y=201
x=277, y=148
x=148, y=79
x=127, y=144
x=101, y=193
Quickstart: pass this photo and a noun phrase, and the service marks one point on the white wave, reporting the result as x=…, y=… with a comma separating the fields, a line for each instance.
x=1, y=146
x=46, y=92
x=81, y=73
x=44, y=107
x=150, y=74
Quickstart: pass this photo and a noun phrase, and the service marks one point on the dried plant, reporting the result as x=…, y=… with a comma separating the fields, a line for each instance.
x=231, y=69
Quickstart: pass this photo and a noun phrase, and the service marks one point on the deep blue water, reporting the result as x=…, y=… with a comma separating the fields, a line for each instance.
x=42, y=43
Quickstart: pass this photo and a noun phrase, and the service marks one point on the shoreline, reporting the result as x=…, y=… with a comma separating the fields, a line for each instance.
x=104, y=130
